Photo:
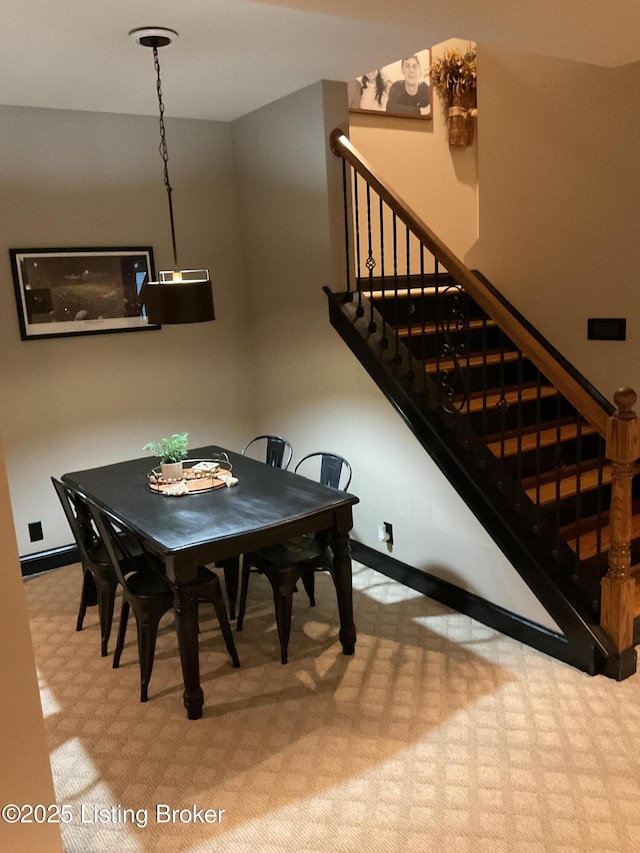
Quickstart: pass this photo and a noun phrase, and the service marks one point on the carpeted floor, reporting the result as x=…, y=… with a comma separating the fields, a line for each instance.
x=439, y=734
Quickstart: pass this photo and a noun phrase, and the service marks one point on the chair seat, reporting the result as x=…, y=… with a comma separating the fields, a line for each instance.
x=98, y=552
x=284, y=564
x=298, y=549
x=205, y=575
x=145, y=584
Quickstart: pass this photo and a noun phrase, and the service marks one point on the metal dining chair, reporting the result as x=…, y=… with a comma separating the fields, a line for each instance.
x=297, y=558
x=277, y=450
x=99, y=582
x=146, y=591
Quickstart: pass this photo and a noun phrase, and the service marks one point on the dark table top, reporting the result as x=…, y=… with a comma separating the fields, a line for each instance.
x=265, y=506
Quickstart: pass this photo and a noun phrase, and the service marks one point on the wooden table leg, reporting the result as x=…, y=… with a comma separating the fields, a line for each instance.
x=187, y=629
x=344, y=591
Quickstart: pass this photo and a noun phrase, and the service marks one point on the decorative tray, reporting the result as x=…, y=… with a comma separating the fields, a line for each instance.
x=198, y=475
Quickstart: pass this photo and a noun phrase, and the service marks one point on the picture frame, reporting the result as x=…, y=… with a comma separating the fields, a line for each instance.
x=71, y=292
x=383, y=92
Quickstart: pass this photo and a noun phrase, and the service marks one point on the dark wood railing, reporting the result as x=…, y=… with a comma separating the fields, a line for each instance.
x=476, y=359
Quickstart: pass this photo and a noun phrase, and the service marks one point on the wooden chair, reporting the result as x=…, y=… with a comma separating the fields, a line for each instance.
x=146, y=590
x=299, y=557
x=99, y=582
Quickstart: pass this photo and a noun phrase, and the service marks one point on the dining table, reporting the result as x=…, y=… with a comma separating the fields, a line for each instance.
x=266, y=506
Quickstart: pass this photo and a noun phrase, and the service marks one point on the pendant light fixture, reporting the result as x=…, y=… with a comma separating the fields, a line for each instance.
x=179, y=296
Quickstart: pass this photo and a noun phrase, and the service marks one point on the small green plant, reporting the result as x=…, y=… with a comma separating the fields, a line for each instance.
x=169, y=448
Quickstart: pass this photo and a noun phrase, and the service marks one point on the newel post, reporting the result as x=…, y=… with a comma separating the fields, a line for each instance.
x=618, y=586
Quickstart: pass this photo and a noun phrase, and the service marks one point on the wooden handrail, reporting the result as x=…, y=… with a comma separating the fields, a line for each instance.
x=528, y=344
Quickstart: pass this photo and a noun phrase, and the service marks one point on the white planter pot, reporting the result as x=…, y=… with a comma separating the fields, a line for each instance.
x=171, y=470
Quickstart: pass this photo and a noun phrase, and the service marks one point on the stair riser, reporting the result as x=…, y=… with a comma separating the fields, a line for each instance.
x=427, y=308
x=432, y=345
x=492, y=375
x=492, y=421
x=546, y=458
x=565, y=511
x=400, y=282
x=593, y=570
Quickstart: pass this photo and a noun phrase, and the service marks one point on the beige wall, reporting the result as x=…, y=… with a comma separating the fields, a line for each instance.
x=90, y=179
x=545, y=203
x=439, y=182
x=308, y=385
x=559, y=202
x=24, y=758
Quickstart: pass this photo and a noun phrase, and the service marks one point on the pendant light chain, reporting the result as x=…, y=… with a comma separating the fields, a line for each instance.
x=165, y=155
x=178, y=296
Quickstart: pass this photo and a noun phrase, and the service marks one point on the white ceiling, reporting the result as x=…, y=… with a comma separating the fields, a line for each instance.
x=234, y=56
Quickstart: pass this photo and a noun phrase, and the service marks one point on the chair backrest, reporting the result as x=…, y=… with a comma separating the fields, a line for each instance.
x=333, y=469
x=78, y=515
x=278, y=451
x=126, y=553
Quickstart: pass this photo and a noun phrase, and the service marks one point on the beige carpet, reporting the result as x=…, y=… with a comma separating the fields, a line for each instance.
x=438, y=735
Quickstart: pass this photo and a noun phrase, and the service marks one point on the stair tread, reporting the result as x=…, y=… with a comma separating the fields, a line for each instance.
x=530, y=440
x=547, y=492
x=587, y=525
x=474, y=360
x=589, y=539
x=512, y=395
x=416, y=329
x=402, y=292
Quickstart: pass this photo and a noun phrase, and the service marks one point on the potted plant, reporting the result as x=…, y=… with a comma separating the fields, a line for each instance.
x=170, y=450
x=453, y=76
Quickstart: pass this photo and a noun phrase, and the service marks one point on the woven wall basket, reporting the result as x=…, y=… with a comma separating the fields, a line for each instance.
x=461, y=120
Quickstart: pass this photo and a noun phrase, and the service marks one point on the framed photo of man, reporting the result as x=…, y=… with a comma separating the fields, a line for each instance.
x=402, y=88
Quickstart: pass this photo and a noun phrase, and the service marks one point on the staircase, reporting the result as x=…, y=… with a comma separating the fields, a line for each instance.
x=518, y=431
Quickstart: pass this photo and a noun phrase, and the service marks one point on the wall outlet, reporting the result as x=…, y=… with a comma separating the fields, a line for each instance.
x=35, y=531
x=385, y=533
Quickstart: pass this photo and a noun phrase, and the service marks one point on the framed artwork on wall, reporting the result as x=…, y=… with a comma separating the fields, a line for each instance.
x=65, y=292
x=402, y=88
